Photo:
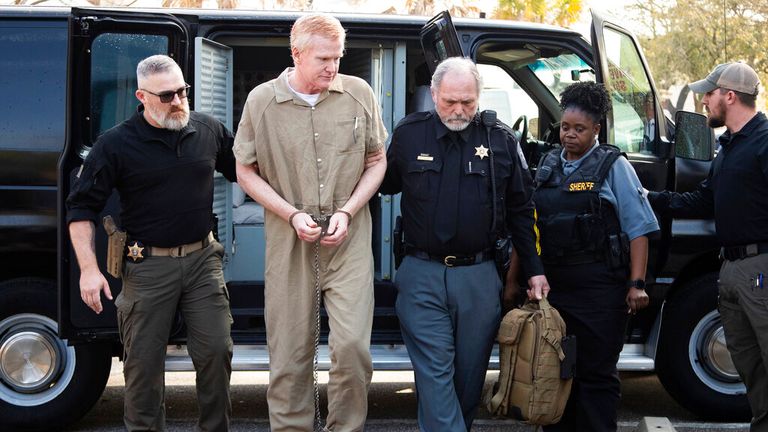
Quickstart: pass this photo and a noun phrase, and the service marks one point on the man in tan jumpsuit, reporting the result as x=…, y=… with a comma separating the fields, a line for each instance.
x=301, y=148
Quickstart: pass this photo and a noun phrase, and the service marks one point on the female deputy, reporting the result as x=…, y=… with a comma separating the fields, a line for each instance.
x=593, y=219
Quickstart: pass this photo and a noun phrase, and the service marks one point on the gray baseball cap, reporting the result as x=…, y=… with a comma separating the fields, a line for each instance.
x=732, y=76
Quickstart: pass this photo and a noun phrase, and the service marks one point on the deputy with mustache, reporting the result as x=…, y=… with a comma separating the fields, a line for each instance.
x=448, y=289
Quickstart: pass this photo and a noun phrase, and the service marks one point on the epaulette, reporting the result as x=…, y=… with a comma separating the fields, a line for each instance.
x=415, y=118
x=505, y=127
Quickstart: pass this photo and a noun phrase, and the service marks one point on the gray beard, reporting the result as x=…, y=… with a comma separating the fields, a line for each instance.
x=175, y=124
x=457, y=127
x=167, y=122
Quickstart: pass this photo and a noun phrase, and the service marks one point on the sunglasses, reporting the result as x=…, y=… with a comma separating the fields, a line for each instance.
x=167, y=97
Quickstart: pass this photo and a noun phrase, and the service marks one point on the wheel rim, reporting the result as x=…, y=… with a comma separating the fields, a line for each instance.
x=710, y=358
x=35, y=365
x=27, y=360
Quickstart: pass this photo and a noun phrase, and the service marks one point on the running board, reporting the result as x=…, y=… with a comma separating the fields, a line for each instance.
x=385, y=357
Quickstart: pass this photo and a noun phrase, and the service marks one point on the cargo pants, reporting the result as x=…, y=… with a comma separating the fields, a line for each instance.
x=744, y=311
x=146, y=308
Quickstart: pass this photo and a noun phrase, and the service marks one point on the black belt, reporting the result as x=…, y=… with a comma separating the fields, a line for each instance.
x=732, y=253
x=451, y=260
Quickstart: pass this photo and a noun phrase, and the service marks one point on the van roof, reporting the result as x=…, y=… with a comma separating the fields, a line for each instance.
x=352, y=18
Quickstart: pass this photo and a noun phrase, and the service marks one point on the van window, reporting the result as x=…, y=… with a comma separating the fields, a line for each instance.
x=113, y=75
x=502, y=94
x=558, y=72
x=33, y=61
x=631, y=95
x=532, y=76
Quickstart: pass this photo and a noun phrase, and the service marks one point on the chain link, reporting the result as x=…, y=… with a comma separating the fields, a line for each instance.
x=318, y=427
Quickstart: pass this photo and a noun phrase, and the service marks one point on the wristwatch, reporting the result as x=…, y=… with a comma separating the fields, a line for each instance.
x=636, y=283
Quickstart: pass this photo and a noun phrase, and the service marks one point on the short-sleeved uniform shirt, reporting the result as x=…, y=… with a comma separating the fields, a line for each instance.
x=624, y=191
x=312, y=156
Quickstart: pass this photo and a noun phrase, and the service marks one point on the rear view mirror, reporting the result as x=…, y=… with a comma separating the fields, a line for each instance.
x=694, y=139
x=576, y=73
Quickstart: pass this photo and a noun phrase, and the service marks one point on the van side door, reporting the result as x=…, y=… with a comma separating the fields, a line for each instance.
x=439, y=40
x=104, y=49
x=636, y=124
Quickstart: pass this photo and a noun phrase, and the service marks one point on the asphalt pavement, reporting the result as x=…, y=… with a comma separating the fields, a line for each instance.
x=392, y=405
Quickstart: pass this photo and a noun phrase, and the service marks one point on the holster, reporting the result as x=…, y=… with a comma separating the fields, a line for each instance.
x=398, y=244
x=618, y=250
x=115, y=247
x=568, y=364
x=501, y=252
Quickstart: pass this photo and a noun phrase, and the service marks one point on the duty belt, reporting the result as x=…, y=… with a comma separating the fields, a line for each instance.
x=451, y=260
x=733, y=253
x=175, y=251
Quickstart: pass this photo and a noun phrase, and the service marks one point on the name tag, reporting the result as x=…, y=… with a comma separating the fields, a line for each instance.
x=581, y=186
x=424, y=157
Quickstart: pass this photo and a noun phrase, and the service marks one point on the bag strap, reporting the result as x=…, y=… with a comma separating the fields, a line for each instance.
x=505, y=376
x=549, y=319
x=503, y=390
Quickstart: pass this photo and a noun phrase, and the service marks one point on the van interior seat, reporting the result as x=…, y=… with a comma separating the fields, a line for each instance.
x=245, y=212
x=421, y=99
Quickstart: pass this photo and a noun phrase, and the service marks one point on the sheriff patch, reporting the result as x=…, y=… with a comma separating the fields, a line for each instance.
x=581, y=186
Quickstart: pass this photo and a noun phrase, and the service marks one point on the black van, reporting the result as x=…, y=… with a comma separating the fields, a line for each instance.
x=69, y=74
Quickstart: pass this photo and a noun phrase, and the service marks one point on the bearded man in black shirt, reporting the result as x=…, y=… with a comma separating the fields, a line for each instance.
x=734, y=193
x=161, y=162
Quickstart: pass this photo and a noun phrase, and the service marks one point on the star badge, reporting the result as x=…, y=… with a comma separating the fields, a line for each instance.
x=481, y=152
x=135, y=252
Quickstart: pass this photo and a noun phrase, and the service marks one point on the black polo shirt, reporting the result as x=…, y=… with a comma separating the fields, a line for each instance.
x=164, y=178
x=416, y=166
x=736, y=190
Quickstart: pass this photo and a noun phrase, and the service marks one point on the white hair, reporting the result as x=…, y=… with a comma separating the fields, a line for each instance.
x=456, y=64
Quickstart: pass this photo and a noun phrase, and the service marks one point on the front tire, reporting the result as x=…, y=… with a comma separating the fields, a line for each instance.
x=692, y=362
x=44, y=384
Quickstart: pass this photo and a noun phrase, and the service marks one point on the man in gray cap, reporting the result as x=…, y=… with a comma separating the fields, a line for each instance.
x=734, y=193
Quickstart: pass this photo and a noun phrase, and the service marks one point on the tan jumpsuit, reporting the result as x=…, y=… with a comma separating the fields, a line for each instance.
x=314, y=157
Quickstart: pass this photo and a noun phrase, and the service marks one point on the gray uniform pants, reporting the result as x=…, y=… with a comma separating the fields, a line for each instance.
x=744, y=310
x=449, y=317
x=146, y=307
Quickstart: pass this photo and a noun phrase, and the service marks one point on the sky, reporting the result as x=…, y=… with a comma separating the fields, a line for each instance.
x=614, y=7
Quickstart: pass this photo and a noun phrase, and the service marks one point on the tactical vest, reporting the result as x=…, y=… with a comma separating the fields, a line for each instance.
x=576, y=225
